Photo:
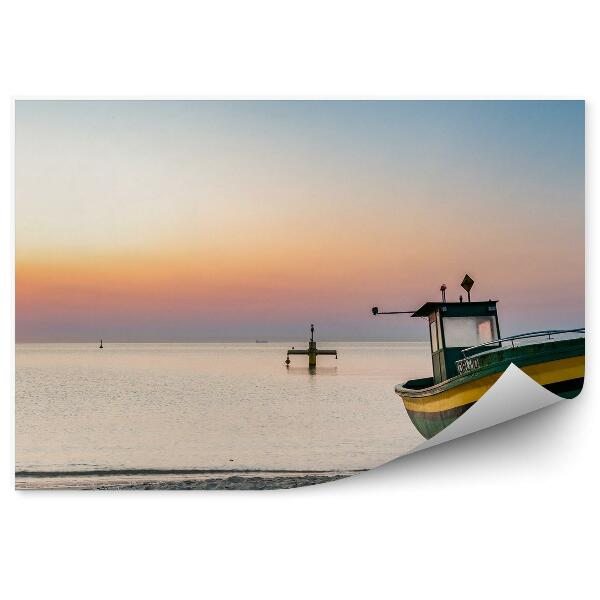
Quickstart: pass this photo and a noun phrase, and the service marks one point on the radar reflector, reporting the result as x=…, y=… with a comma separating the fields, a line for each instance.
x=467, y=284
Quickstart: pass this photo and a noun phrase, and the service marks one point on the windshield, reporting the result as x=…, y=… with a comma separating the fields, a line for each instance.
x=464, y=332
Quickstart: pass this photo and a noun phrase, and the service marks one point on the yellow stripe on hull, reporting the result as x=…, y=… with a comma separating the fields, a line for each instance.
x=544, y=373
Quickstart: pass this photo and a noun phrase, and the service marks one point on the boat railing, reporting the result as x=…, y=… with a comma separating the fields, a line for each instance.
x=523, y=336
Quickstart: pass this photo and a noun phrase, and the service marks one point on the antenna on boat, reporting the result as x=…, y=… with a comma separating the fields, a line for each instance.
x=467, y=284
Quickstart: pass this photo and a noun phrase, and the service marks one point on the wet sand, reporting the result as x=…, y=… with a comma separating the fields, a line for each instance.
x=213, y=480
x=231, y=483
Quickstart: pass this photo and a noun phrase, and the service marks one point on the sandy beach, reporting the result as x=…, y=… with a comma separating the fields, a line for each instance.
x=208, y=480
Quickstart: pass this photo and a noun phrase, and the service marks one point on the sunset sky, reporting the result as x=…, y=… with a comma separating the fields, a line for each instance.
x=211, y=220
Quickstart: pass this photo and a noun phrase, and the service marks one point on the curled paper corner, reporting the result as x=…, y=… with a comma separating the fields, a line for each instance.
x=513, y=395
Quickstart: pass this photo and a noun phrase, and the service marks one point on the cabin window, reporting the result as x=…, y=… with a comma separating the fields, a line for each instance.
x=435, y=346
x=463, y=332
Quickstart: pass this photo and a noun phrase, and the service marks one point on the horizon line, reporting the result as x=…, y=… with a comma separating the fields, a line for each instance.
x=213, y=341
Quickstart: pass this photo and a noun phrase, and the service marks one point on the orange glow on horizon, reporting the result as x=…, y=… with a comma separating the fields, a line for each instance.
x=170, y=219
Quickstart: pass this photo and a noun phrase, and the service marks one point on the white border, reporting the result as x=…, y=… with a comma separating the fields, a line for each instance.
x=509, y=512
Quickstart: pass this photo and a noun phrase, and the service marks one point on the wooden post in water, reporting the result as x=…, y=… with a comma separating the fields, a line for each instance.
x=312, y=351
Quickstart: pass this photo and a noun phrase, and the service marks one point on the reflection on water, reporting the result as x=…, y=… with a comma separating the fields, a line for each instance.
x=211, y=407
x=312, y=370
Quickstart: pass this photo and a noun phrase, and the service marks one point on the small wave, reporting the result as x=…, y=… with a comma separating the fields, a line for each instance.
x=158, y=472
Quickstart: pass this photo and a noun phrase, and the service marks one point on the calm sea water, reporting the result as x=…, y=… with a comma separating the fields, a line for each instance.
x=85, y=415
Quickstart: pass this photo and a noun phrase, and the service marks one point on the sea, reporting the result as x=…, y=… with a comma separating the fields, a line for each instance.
x=208, y=415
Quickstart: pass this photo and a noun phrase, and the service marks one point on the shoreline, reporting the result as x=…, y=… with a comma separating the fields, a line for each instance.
x=149, y=479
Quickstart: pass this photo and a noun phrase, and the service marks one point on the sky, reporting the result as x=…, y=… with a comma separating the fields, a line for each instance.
x=243, y=220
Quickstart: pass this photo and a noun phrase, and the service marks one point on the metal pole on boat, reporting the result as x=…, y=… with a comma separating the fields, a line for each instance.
x=375, y=310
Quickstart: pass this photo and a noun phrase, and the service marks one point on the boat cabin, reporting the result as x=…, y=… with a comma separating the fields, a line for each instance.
x=456, y=326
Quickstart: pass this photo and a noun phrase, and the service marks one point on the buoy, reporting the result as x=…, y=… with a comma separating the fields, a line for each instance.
x=101, y=346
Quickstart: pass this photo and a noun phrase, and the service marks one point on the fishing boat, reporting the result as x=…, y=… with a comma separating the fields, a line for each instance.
x=468, y=356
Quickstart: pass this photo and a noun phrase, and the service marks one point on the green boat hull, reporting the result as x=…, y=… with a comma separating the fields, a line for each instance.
x=557, y=366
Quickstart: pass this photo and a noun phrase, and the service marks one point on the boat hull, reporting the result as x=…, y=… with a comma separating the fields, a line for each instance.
x=558, y=367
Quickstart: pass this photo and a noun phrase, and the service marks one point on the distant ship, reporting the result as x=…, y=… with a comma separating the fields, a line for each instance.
x=262, y=342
